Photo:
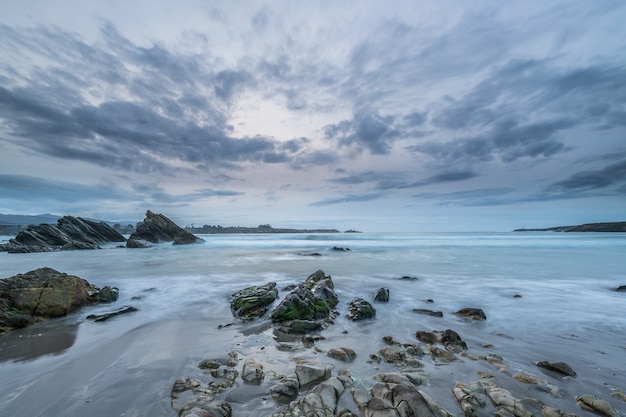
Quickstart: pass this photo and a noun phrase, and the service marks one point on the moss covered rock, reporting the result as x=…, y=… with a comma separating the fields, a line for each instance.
x=253, y=302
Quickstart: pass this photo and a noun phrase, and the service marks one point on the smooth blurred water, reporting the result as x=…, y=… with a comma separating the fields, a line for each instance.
x=564, y=280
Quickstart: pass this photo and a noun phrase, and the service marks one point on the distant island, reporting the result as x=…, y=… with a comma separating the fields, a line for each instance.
x=13, y=224
x=262, y=228
x=588, y=227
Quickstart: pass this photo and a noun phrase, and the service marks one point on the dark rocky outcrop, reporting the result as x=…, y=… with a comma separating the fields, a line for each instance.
x=157, y=228
x=70, y=233
x=45, y=293
x=621, y=288
x=253, y=302
x=359, y=309
x=308, y=306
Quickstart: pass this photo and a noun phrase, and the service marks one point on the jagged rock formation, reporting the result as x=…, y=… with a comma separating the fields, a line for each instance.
x=68, y=234
x=253, y=302
x=45, y=293
x=157, y=228
x=309, y=306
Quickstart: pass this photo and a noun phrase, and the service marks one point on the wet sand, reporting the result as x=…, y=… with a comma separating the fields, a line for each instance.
x=126, y=367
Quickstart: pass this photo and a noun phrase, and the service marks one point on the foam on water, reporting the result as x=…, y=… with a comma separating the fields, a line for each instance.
x=564, y=281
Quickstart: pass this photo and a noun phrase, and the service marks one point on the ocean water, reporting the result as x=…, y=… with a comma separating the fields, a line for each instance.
x=547, y=296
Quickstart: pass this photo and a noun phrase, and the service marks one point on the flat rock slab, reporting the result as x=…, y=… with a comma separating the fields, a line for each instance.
x=106, y=316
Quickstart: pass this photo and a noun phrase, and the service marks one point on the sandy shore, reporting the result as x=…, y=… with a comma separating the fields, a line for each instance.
x=125, y=367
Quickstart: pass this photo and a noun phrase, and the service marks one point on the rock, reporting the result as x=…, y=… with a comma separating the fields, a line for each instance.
x=359, y=309
x=252, y=372
x=70, y=233
x=382, y=295
x=409, y=278
x=451, y=339
x=206, y=408
x=428, y=312
x=209, y=364
x=560, y=367
x=46, y=293
x=593, y=403
x=342, y=354
x=472, y=313
x=621, y=288
x=320, y=400
x=135, y=243
x=503, y=399
x=253, y=302
x=395, y=400
x=339, y=249
x=157, y=228
x=285, y=390
x=308, y=306
x=106, y=316
x=427, y=337
x=310, y=372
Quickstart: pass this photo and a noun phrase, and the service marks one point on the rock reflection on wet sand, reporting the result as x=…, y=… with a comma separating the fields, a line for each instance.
x=36, y=341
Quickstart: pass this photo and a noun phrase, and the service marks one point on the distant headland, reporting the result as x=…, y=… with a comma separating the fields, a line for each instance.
x=262, y=228
x=587, y=227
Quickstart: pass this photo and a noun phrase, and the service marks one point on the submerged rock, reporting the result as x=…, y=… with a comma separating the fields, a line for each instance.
x=106, y=316
x=70, y=233
x=472, y=313
x=46, y=293
x=427, y=312
x=157, y=228
x=621, y=288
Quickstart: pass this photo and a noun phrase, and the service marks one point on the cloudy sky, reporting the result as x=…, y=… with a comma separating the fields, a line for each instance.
x=381, y=116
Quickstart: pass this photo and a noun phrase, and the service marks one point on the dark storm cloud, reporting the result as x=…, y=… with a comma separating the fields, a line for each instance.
x=23, y=187
x=507, y=141
x=366, y=130
x=612, y=174
x=401, y=180
x=349, y=198
x=520, y=110
x=169, y=117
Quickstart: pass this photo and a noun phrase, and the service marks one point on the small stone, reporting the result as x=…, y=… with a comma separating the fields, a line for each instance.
x=343, y=354
x=252, y=372
x=382, y=295
x=428, y=312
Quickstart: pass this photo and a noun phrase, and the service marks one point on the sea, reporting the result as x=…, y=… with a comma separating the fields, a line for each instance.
x=547, y=296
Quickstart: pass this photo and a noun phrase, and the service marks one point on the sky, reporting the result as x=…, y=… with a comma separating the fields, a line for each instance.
x=377, y=116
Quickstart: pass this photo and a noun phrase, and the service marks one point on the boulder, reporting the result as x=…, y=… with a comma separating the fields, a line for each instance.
x=285, y=390
x=157, y=228
x=45, y=293
x=310, y=372
x=70, y=233
x=621, y=288
x=343, y=354
x=252, y=372
x=309, y=305
x=359, y=309
x=253, y=302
